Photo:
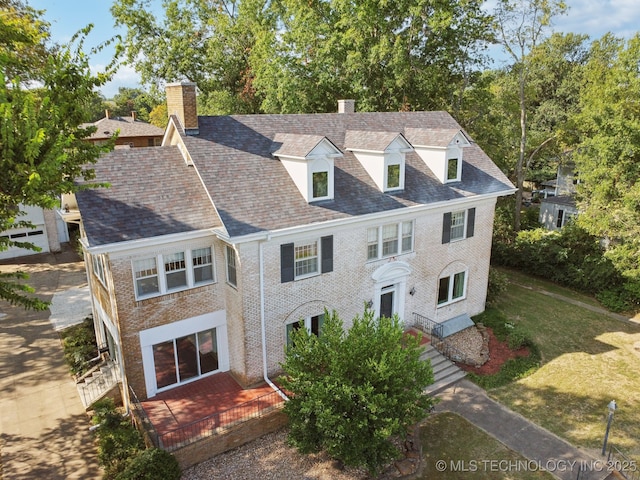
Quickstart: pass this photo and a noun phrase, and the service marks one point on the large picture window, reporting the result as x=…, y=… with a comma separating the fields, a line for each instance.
x=389, y=240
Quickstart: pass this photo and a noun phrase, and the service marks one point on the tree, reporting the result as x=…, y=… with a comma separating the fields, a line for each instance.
x=42, y=146
x=129, y=100
x=608, y=155
x=521, y=25
x=350, y=392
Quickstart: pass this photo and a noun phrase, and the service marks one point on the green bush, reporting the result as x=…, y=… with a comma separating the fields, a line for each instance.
x=151, y=464
x=497, y=286
x=79, y=344
x=517, y=339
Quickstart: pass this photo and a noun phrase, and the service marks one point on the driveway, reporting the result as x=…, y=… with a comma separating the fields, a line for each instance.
x=43, y=426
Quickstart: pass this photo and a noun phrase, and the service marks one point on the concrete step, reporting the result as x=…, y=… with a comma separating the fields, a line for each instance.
x=445, y=372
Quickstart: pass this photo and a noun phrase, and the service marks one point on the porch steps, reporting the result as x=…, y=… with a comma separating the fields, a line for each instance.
x=445, y=372
x=98, y=382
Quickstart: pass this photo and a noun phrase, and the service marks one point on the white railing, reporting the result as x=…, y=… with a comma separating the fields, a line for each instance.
x=101, y=380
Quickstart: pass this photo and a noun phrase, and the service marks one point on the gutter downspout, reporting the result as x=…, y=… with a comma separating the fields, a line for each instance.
x=263, y=326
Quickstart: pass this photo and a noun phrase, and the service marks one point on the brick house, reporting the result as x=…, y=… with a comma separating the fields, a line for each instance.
x=207, y=251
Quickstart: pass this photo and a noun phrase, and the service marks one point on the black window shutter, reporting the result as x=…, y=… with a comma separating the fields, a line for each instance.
x=326, y=246
x=471, y=221
x=287, y=263
x=446, y=228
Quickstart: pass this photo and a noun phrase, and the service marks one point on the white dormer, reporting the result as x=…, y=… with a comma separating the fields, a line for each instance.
x=382, y=154
x=441, y=150
x=309, y=160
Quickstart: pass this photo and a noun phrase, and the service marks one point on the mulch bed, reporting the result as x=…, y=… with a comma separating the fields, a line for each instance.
x=499, y=353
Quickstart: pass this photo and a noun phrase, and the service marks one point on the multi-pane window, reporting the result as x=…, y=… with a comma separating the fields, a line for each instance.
x=393, y=176
x=146, y=276
x=306, y=259
x=452, y=169
x=451, y=288
x=389, y=240
x=312, y=324
x=98, y=267
x=175, y=269
x=457, y=225
x=202, y=265
x=320, y=184
x=231, y=265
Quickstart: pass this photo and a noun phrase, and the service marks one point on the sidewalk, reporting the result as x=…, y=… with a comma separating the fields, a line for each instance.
x=43, y=426
x=519, y=434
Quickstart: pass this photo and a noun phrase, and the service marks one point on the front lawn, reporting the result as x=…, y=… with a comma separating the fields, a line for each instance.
x=454, y=449
x=587, y=360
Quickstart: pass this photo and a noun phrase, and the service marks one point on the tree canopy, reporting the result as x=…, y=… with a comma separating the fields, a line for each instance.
x=42, y=146
x=352, y=391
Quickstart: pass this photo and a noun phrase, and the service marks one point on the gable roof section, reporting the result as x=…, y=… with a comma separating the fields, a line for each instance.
x=152, y=193
x=369, y=141
x=252, y=191
x=295, y=145
x=432, y=137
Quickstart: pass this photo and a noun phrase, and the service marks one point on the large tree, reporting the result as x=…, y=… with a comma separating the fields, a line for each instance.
x=608, y=156
x=352, y=391
x=42, y=147
x=521, y=26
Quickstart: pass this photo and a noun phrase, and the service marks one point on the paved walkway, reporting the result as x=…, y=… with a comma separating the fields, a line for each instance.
x=542, y=447
x=43, y=427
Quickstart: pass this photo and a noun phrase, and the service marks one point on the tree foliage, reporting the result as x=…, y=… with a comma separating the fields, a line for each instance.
x=42, y=146
x=290, y=56
x=351, y=391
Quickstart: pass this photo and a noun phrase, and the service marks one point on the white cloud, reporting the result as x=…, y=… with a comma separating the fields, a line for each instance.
x=126, y=76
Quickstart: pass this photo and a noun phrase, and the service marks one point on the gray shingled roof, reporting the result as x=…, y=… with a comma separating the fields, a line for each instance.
x=436, y=137
x=152, y=193
x=128, y=126
x=368, y=140
x=253, y=192
x=293, y=145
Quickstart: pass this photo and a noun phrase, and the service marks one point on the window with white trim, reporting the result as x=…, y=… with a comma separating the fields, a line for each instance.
x=393, y=176
x=312, y=324
x=98, y=263
x=452, y=288
x=306, y=259
x=231, y=265
x=320, y=185
x=174, y=271
x=458, y=225
x=389, y=240
x=452, y=169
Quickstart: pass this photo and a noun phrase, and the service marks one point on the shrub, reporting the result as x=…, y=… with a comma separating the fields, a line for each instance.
x=151, y=464
x=498, y=283
x=79, y=344
x=517, y=339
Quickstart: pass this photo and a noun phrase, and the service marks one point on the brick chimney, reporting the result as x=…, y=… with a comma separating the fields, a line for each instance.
x=181, y=101
x=133, y=115
x=346, y=106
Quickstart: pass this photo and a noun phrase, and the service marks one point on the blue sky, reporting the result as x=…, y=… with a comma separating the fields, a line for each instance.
x=592, y=17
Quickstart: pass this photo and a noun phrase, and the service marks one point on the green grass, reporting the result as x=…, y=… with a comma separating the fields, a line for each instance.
x=469, y=453
x=587, y=359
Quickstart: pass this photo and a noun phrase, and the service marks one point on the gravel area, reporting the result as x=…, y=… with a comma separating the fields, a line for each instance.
x=472, y=343
x=270, y=458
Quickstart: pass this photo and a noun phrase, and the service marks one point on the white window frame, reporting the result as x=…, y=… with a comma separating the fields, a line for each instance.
x=175, y=264
x=194, y=267
x=458, y=226
x=161, y=272
x=300, y=246
x=450, y=288
x=99, y=268
x=378, y=244
x=231, y=264
x=454, y=153
x=307, y=323
x=389, y=160
x=323, y=197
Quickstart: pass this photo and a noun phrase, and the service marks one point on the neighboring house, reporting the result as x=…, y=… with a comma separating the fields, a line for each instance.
x=205, y=253
x=132, y=132
x=557, y=210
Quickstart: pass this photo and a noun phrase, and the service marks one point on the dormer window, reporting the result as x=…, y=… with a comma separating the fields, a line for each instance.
x=309, y=161
x=382, y=154
x=441, y=150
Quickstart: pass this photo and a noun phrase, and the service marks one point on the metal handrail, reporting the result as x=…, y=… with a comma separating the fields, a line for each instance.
x=144, y=418
x=622, y=464
x=442, y=344
x=427, y=325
